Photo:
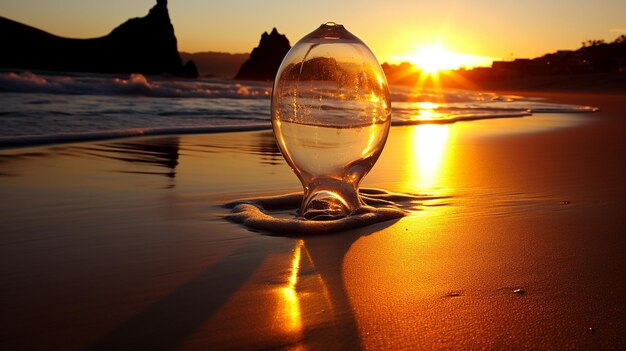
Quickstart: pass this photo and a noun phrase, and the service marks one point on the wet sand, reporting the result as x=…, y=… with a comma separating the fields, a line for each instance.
x=519, y=243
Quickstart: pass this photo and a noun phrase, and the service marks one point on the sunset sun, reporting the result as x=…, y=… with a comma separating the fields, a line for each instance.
x=435, y=58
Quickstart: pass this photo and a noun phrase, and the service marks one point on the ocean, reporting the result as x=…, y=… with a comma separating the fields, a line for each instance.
x=43, y=107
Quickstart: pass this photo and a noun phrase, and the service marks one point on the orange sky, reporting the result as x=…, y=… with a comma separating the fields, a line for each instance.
x=393, y=29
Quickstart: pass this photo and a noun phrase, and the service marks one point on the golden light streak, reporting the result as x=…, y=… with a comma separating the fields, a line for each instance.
x=428, y=156
x=379, y=79
x=425, y=77
x=290, y=295
x=370, y=142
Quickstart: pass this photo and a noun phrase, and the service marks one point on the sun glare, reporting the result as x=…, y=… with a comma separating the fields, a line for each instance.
x=436, y=58
x=433, y=59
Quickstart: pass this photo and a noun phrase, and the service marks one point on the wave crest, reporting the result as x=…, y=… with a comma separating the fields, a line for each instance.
x=134, y=84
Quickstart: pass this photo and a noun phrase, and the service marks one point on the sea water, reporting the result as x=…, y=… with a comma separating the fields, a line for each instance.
x=45, y=107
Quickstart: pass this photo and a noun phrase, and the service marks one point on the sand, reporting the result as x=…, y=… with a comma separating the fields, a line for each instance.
x=519, y=243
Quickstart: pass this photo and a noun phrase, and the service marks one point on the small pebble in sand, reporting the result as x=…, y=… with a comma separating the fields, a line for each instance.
x=454, y=294
x=519, y=291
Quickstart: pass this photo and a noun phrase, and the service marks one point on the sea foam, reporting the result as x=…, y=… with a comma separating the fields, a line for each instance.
x=266, y=214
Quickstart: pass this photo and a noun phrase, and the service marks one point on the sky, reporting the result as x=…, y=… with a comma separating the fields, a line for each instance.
x=393, y=29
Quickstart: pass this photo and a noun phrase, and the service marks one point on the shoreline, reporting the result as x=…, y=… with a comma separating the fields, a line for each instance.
x=86, y=137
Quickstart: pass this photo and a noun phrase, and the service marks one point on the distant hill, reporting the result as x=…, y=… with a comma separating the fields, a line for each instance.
x=266, y=58
x=218, y=64
x=140, y=45
x=596, y=66
x=595, y=56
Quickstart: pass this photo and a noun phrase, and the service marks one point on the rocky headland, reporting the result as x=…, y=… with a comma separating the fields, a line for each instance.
x=144, y=45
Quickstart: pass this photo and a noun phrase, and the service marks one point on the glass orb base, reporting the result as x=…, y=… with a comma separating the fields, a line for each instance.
x=329, y=199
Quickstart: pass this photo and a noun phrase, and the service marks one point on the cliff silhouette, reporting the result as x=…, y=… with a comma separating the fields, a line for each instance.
x=266, y=58
x=144, y=45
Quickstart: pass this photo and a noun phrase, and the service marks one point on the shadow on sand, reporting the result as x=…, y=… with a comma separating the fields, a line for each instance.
x=327, y=254
x=166, y=324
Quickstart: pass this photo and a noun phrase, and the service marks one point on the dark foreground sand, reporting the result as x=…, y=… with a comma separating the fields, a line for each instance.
x=121, y=245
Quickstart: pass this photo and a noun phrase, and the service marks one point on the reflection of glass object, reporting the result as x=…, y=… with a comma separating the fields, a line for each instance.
x=331, y=116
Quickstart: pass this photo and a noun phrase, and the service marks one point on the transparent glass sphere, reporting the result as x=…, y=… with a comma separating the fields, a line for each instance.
x=331, y=116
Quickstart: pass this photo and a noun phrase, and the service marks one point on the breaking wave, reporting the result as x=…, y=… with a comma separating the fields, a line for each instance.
x=40, y=108
x=135, y=84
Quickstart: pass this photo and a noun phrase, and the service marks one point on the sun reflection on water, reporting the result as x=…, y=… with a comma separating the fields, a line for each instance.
x=427, y=111
x=427, y=159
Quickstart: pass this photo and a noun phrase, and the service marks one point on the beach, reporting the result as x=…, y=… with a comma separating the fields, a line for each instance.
x=518, y=242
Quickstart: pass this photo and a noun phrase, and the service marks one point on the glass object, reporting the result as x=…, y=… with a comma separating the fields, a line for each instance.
x=331, y=116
